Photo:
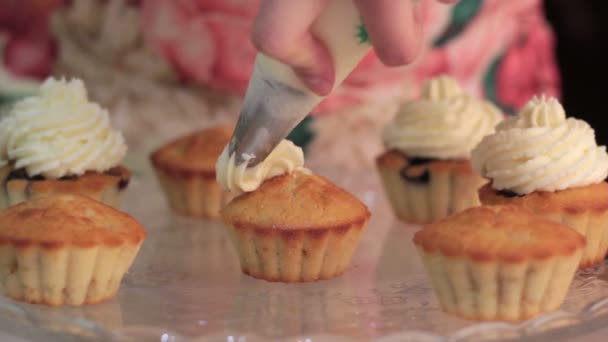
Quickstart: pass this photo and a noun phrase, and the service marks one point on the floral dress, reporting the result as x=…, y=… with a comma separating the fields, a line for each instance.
x=145, y=59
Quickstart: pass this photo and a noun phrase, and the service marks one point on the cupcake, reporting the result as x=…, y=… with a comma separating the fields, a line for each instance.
x=499, y=262
x=426, y=170
x=289, y=225
x=59, y=142
x=185, y=169
x=65, y=249
x=551, y=165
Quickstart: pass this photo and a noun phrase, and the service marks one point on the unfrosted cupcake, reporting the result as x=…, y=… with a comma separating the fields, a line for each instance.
x=185, y=169
x=65, y=250
x=499, y=262
x=552, y=165
x=426, y=169
x=290, y=225
x=60, y=142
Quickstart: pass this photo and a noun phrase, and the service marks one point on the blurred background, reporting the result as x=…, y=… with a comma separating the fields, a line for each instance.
x=581, y=29
x=164, y=68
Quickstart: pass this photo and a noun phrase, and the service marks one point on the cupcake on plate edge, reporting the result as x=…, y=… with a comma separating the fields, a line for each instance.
x=426, y=170
x=552, y=165
x=60, y=142
x=65, y=249
x=499, y=262
x=289, y=225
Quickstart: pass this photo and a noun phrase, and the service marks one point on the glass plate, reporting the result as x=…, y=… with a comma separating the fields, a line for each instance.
x=186, y=285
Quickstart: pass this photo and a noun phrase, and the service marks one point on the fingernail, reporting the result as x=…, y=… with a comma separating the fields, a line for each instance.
x=317, y=84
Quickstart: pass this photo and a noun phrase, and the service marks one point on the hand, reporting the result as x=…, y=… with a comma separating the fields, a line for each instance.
x=281, y=30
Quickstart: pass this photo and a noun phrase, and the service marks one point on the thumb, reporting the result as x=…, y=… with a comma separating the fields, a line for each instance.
x=282, y=31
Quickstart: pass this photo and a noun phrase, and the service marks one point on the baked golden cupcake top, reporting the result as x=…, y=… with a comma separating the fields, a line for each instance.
x=62, y=220
x=498, y=233
x=194, y=154
x=592, y=197
x=296, y=201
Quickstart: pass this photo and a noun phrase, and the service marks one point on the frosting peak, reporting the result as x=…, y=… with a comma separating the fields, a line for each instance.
x=60, y=133
x=285, y=158
x=538, y=112
x=445, y=123
x=541, y=150
x=441, y=88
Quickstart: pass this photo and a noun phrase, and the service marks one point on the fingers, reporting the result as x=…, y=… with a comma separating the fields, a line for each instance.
x=394, y=28
x=282, y=31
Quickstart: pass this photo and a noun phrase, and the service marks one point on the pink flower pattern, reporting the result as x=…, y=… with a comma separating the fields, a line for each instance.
x=29, y=49
x=528, y=66
x=207, y=42
x=223, y=57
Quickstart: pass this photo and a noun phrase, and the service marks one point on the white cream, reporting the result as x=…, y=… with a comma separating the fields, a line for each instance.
x=285, y=158
x=541, y=150
x=60, y=133
x=445, y=123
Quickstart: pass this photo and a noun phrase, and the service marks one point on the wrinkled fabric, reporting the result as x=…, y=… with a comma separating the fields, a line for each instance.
x=502, y=50
x=499, y=49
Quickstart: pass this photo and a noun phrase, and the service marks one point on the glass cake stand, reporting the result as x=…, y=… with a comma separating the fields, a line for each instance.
x=186, y=285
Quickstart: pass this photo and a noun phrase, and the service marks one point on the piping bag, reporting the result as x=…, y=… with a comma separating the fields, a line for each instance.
x=276, y=100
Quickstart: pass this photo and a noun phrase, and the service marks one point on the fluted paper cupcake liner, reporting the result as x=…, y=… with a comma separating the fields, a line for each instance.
x=57, y=276
x=295, y=255
x=4, y=172
x=193, y=195
x=20, y=190
x=499, y=290
x=17, y=192
x=445, y=193
x=571, y=207
x=593, y=226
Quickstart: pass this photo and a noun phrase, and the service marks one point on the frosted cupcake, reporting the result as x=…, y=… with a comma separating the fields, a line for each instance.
x=552, y=165
x=289, y=225
x=60, y=142
x=426, y=169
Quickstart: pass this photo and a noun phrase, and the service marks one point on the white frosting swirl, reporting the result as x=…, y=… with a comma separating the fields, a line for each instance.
x=541, y=150
x=60, y=133
x=285, y=158
x=441, y=88
x=445, y=123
